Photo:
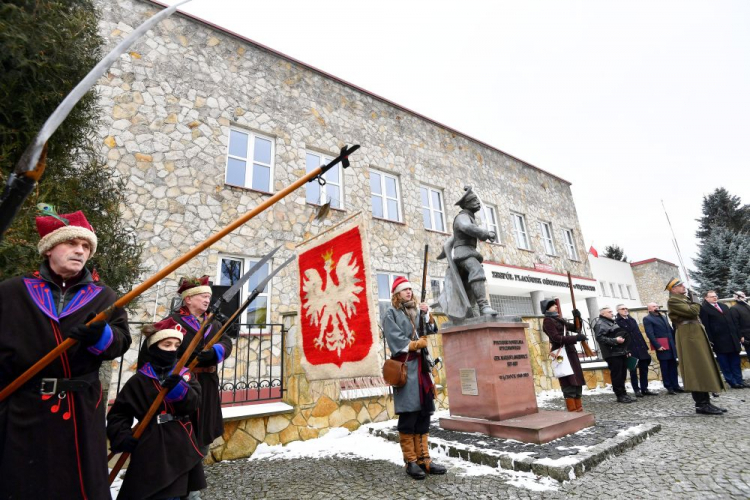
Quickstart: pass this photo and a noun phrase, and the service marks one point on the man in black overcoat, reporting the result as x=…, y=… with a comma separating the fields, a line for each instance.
x=661, y=335
x=638, y=349
x=740, y=314
x=723, y=337
x=52, y=432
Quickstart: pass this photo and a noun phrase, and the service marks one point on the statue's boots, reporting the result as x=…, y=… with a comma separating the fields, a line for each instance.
x=424, y=461
x=478, y=290
x=409, y=451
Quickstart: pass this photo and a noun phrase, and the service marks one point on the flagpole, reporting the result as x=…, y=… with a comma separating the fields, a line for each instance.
x=676, y=245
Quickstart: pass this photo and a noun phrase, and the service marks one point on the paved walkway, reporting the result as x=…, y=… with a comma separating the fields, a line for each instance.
x=692, y=457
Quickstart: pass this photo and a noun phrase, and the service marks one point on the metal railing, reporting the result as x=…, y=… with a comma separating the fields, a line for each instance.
x=253, y=372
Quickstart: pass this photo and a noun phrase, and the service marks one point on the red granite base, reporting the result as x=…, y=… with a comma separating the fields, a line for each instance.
x=538, y=428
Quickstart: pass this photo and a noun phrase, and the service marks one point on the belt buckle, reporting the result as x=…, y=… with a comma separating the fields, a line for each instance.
x=44, y=389
x=163, y=418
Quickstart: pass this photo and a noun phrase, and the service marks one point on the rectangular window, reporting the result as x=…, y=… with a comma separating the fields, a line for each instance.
x=436, y=286
x=231, y=269
x=386, y=198
x=385, y=281
x=622, y=292
x=549, y=245
x=630, y=292
x=570, y=244
x=603, y=286
x=612, y=289
x=333, y=190
x=250, y=160
x=432, y=209
x=519, y=230
x=489, y=214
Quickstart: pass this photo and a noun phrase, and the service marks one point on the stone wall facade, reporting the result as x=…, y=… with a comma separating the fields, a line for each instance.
x=651, y=276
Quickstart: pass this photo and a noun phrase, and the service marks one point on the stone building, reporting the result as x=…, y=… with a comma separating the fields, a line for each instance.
x=651, y=276
x=204, y=125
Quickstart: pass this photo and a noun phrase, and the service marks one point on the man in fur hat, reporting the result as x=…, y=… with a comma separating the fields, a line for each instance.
x=52, y=434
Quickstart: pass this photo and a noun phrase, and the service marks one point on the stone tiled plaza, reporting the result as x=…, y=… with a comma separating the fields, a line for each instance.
x=691, y=457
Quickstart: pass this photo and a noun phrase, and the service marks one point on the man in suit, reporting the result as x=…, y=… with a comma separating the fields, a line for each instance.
x=740, y=314
x=638, y=349
x=724, y=339
x=661, y=335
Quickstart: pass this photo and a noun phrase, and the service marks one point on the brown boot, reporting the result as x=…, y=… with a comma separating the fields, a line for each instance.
x=410, y=455
x=579, y=404
x=424, y=461
x=571, y=404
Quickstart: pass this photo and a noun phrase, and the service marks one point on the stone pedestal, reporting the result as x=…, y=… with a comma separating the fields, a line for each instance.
x=491, y=386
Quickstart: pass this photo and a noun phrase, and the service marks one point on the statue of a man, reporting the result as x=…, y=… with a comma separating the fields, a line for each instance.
x=465, y=279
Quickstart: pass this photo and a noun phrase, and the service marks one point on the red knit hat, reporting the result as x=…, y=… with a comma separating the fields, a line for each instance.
x=54, y=231
x=400, y=283
x=193, y=286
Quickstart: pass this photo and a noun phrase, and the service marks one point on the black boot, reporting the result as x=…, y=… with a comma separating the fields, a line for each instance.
x=625, y=399
x=708, y=410
x=415, y=470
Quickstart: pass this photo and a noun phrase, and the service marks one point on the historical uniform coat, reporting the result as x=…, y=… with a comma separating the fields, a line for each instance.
x=54, y=446
x=207, y=418
x=720, y=328
x=399, y=331
x=555, y=330
x=657, y=327
x=166, y=462
x=698, y=367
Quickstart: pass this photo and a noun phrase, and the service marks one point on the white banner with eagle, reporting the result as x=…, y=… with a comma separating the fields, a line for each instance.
x=338, y=333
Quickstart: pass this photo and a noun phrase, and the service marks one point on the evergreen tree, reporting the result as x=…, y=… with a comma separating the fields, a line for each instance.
x=46, y=48
x=615, y=252
x=739, y=269
x=723, y=209
x=714, y=260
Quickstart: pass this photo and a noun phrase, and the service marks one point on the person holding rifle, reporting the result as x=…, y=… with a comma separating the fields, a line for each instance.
x=165, y=462
x=557, y=330
x=414, y=402
x=52, y=434
x=700, y=373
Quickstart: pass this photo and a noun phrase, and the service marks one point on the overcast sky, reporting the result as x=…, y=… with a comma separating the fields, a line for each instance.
x=633, y=102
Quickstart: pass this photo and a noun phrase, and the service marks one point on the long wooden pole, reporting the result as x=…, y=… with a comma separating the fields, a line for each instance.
x=577, y=321
x=174, y=265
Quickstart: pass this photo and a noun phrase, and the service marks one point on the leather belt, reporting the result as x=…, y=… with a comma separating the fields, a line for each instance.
x=163, y=418
x=207, y=369
x=689, y=322
x=54, y=386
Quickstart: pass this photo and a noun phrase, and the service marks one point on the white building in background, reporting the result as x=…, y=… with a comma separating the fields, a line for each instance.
x=615, y=283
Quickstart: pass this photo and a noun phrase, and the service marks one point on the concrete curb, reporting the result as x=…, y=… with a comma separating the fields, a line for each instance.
x=562, y=469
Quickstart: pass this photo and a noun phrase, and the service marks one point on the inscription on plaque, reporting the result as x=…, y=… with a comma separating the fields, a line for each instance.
x=468, y=377
x=510, y=360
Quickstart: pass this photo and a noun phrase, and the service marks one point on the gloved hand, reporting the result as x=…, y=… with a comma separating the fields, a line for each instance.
x=88, y=335
x=576, y=313
x=171, y=381
x=127, y=445
x=418, y=344
x=207, y=358
x=581, y=337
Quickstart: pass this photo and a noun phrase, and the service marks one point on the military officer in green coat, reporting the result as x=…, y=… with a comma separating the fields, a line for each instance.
x=699, y=370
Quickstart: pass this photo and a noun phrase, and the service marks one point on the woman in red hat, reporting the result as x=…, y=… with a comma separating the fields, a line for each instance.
x=414, y=402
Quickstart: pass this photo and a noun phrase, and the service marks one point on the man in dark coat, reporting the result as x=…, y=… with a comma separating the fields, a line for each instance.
x=555, y=328
x=700, y=373
x=740, y=314
x=661, y=335
x=52, y=434
x=723, y=337
x=613, y=342
x=638, y=349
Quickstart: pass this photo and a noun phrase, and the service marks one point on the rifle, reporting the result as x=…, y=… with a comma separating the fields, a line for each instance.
x=577, y=320
x=427, y=362
x=343, y=158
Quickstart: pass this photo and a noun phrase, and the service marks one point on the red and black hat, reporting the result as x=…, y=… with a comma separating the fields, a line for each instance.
x=190, y=286
x=54, y=230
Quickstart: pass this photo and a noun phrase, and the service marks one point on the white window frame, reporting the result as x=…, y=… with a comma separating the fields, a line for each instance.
x=547, y=240
x=247, y=263
x=622, y=291
x=489, y=215
x=249, y=159
x=323, y=159
x=630, y=292
x=570, y=244
x=385, y=197
x=441, y=285
x=521, y=232
x=391, y=276
x=612, y=289
x=434, y=212
x=603, y=284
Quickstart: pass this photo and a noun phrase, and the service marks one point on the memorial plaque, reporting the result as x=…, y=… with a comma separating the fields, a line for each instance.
x=468, y=378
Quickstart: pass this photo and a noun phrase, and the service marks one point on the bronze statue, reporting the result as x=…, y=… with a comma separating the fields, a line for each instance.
x=465, y=278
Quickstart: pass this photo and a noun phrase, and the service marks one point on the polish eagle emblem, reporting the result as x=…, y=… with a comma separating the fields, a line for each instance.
x=329, y=304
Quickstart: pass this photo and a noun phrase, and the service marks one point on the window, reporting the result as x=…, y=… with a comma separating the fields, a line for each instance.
x=549, y=245
x=603, y=285
x=509, y=305
x=612, y=289
x=332, y=190
x=570, y=244
x=630, y=292
x=231, y=269
x=250, y=160
x=432, y=209
x=436, y=286
x=489, y=215
x=519, y=230
x=622, y=292
x=385, y=281
x=385, y=196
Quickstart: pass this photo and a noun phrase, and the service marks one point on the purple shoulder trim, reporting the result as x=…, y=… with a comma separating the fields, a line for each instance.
x=81, y=298
x=41, y=294
x=192, y=322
